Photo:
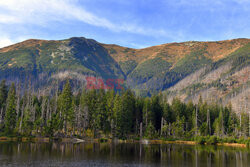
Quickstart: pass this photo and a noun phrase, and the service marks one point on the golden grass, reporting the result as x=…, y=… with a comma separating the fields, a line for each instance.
x=233, y=144
x=172, y=52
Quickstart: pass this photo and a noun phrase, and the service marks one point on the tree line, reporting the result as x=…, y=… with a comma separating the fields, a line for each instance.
x=101, y=113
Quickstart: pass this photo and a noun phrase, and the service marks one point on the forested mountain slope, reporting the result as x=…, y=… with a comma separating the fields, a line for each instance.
x=218, y=71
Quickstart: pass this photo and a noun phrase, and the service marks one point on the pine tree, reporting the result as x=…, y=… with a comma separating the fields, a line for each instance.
x=3, y=97
x=53, y=125
x=178, y=108
x=65, y=106
x=91, y=103
x=244, y=124
x=117, y=111
x=100, y=114
x=219, y=124
x=110, y=96
x=10, y=117
x=27, y=122
x=3, y=93
x=125, y=117
x=178, y=127
x=138, y=115
x=150, y=131
x=195, y=122
x=157, y=111
x=147, y=113
x=189, y=115
x=84, y=112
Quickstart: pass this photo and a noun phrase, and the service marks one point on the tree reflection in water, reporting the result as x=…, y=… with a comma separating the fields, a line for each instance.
x=130, y=154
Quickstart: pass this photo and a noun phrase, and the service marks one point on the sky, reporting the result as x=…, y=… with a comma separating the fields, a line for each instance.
x=131, y=23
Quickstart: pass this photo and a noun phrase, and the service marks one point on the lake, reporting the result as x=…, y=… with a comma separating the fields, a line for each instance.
x=122, y=154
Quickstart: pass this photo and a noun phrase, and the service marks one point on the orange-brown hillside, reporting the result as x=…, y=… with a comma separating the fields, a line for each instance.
x=173, y=52
x=186, y=69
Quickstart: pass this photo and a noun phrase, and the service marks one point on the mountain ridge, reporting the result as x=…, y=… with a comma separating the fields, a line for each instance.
x=184, y=69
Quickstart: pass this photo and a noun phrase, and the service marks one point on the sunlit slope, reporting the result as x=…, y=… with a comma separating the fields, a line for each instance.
x=218, y=70
x=35, y=57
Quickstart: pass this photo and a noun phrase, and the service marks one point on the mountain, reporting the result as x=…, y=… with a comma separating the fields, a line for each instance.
x=217, y=71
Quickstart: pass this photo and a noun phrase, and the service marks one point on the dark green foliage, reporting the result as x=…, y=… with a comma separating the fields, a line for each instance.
x=65, y=105
x=76, y=54
x=100, y=114
x=3, y=94
x=124, y=114
x=149, y=68
x=41, y=61
x=213, y=140
x=157, y=111
x=200, y=140
x=53, y=125
x=128, y=66
x=103, y=140
x=229, y=140
x=150, y=131
x=239, y=59
x=190, y=63
x=10, y=117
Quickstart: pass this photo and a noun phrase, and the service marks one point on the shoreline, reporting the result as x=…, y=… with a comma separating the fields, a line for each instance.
x=76, y=140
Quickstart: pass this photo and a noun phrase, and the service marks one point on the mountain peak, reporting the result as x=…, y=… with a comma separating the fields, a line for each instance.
x=184, y=69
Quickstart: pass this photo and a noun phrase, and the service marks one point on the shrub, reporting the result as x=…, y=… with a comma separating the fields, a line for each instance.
x=212, y=140
x=248, y=143
x=137, y=138
x=200, y=140
x=103, y=140
x=150, y=131
x=243, y=140
x=229, y=140
x=89, y=133
x=170, y=139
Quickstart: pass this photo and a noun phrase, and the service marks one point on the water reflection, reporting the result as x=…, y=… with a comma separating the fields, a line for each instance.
x=107, y=154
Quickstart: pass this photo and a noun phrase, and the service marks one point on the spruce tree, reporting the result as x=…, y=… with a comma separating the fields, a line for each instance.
x=219, y=124
x=157, y=111
x=3, y=93
x=147, y=113
x=65, y=105
x=3, y=97
x=125, y=115
x=117, y=111
x=10, y=117
x=84, y=111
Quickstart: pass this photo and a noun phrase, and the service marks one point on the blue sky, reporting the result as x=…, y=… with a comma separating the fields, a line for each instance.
x=132, y=23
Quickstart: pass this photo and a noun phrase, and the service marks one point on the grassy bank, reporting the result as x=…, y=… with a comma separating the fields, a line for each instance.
x=201, y=140
x=226, y=141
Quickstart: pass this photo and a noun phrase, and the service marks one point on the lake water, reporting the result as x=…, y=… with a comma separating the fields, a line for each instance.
x=105, y=154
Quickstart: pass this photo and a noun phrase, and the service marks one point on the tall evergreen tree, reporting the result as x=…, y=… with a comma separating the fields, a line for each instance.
x=3, y=93
x=219, y=124
x=110, y=97
x=147, y=113
x=117, y=113
x=157, y=110
x=3, y=97
x=84, y=111
x=10, y=117
x=65, y=105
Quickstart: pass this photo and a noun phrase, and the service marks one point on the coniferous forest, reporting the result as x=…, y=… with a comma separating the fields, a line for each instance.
x=110, y=114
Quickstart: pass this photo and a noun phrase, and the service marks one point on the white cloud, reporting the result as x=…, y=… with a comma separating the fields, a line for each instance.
x=5, y=41
x=8, y=19
x=42, y=12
